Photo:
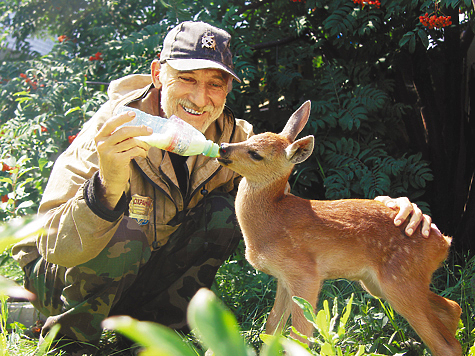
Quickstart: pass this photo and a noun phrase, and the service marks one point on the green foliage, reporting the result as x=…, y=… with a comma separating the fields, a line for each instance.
x=346, y=58
x=340, y=55
x=215, y=326
x=10, y=234
x=43, y=107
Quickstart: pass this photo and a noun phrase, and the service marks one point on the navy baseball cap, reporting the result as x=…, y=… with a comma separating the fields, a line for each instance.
x=197, y=45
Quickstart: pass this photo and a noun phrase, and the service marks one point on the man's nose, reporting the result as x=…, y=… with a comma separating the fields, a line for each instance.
x=200, y=95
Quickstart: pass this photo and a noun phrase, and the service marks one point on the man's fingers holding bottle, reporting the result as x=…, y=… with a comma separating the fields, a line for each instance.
x=111, y=128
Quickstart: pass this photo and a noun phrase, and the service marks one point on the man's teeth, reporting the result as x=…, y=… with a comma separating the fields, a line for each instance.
x=191, y=111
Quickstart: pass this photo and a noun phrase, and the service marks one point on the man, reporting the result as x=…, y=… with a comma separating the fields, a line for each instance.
x=131, y=229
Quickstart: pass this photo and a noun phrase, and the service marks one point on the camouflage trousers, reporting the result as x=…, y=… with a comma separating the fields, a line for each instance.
x=126, y=278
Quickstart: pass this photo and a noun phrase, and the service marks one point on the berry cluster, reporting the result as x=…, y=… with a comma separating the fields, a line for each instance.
x=63, y=38
x=6, y=168
x=43, y=129
x=96, y=57
x=376, y=3
x=304, y=1
x=32, y=83
x=435, y=21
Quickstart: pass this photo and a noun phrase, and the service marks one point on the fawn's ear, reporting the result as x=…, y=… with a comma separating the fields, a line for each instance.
x=300, y=150
x=297, y=121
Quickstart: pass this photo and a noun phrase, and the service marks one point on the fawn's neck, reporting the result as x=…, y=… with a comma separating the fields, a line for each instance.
x=257, y=202
x=262, y=192
x=257, y=207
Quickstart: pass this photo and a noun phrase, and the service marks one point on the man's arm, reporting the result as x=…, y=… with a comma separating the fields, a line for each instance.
x=81, y=213
x=116, y=148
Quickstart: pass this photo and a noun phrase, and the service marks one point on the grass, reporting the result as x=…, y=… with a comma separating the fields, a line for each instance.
x=250, y=294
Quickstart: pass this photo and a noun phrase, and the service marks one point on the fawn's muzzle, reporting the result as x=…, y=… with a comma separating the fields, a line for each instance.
x=224, y=152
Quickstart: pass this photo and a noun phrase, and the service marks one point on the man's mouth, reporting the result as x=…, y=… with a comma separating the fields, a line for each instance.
x=191, y=111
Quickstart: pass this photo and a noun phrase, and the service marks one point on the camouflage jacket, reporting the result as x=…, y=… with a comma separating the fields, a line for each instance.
x=77, y=226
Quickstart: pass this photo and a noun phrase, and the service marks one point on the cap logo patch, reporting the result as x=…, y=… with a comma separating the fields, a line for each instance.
x=208, y=41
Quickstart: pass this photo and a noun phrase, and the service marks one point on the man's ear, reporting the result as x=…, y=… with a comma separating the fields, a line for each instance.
x=300, y=150
x=155, y=71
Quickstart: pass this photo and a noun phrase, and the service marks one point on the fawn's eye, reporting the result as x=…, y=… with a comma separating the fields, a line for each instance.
x=255, y=155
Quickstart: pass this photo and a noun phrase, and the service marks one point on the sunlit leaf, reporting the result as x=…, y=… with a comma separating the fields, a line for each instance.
x=157, y=339
x=214, y=323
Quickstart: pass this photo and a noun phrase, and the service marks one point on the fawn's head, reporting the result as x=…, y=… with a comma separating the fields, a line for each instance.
x=268, y=156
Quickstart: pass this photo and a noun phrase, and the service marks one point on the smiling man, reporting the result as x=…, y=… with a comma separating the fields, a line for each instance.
x=131, y=229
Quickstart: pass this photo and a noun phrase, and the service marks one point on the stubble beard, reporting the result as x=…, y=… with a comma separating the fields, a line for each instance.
x=170, y=106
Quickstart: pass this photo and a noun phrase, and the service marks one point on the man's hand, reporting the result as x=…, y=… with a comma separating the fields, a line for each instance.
x=406, y=209
x=116, y=148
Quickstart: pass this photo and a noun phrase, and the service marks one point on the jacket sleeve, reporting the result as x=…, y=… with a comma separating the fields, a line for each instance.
x=77, y=226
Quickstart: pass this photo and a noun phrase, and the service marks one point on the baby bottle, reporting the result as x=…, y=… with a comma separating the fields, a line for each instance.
x=173, y=134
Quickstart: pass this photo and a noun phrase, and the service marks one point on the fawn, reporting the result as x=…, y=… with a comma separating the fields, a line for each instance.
x=304, y=242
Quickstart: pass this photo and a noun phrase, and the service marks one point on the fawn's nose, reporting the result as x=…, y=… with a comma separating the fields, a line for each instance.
x=224, y=150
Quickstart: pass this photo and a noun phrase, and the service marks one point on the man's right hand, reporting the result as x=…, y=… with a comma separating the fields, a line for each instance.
x=116, y=148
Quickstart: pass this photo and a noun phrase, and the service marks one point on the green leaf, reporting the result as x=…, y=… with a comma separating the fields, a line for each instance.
x=42, y=162
x=405, y=39
x=327, y=349
x=308, y=309
x=12, y=289
x=17, y=230
x=157, y=339
x=72, y=110
x=272, y=345
x=213, y=323
x=344, y=318
x=323, y=325
x=361, y=350
x=424, y=38
x=48, y=340
x=412, y=43
x=6, y=180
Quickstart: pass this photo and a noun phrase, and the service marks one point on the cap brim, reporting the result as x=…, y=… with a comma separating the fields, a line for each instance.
x=195, y=64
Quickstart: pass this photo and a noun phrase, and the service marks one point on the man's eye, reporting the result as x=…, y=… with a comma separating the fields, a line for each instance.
x=255, y=155
x=186, y=79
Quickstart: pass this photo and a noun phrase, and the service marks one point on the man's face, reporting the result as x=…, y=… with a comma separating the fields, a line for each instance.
x=197, y=97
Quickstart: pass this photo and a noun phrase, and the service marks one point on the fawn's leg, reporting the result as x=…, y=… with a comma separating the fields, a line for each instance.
x=308, y=288
x=280, y=311
x=448, y=311
x=413, y=302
